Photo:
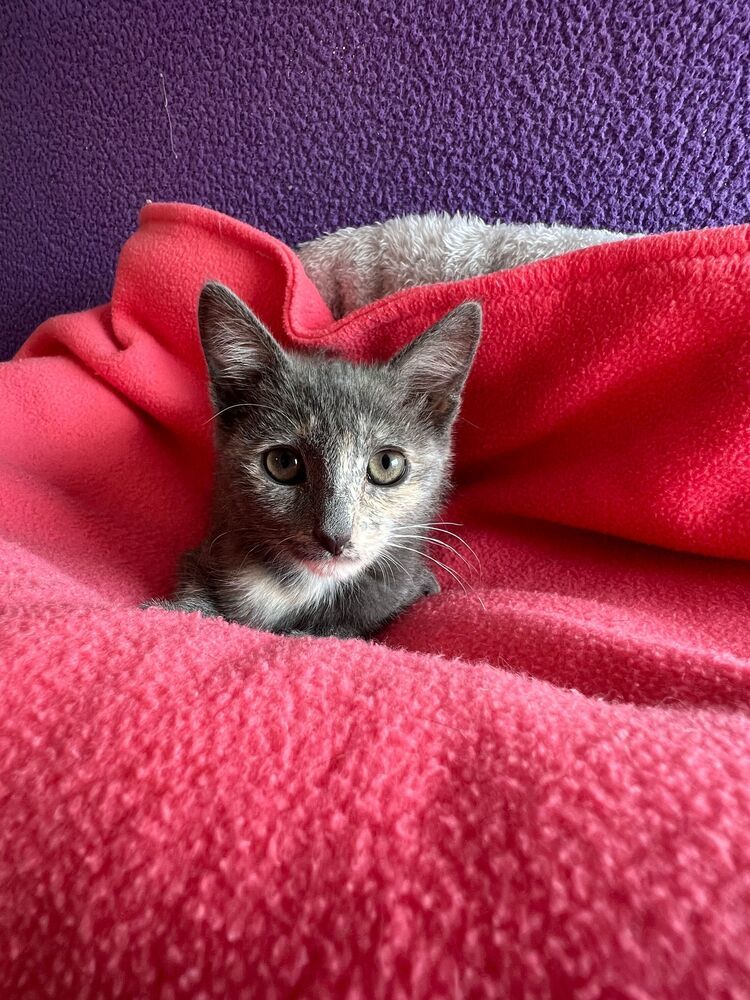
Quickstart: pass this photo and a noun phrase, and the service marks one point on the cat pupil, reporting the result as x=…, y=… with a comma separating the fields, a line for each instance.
x=386, y=461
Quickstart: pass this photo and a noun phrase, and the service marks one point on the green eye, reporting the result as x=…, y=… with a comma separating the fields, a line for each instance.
x=386, y=467
x=284, y=465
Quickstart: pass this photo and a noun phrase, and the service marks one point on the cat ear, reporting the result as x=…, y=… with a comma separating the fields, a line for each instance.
x=238, y=347
x=435, y=366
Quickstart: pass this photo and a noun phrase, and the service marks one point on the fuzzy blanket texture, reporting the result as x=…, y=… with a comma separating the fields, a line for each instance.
x=304, y=117
x=539, y=787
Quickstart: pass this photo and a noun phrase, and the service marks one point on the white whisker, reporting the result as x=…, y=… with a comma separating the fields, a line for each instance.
x=215, y=539
x=437, y=562
x=398, y=564
x=259, y=406
x=247, y=555
x=434, y=526
x=445, y=545
x=456, y=576
x=388, y=562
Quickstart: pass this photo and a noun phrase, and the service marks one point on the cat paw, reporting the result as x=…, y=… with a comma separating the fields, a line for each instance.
x=184, y=605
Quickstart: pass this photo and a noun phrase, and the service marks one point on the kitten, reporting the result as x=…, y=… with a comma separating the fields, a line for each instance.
x=328, y=475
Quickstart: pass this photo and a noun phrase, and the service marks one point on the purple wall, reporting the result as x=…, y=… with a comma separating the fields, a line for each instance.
x=304, y=117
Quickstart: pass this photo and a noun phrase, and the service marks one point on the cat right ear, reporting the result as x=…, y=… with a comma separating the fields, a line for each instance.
x=238, y=347
x=435, y=366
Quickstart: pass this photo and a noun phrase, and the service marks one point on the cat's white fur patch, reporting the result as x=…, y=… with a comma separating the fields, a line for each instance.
x=258, y=593
x=339, y=569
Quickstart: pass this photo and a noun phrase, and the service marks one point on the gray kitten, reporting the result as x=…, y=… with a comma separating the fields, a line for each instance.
x=328, y=475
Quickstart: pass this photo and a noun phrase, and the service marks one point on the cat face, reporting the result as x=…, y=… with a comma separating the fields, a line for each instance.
x=325, y=466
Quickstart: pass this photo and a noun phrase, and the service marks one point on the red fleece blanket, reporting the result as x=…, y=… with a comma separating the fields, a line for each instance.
x=538, y=787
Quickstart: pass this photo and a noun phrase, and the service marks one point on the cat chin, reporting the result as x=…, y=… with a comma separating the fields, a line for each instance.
x=332, y=569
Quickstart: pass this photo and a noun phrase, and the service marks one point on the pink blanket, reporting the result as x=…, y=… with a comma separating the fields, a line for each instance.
x=538, y=787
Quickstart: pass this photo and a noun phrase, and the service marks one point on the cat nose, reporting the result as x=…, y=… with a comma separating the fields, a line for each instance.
x=335, y=544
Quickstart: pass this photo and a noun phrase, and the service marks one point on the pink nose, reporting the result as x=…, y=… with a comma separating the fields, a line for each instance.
x=335, y=544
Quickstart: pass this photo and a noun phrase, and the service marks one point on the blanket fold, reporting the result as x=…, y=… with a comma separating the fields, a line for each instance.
x=537, y=784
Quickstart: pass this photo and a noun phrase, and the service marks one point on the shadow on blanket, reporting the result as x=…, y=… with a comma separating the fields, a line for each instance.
x=537, y=787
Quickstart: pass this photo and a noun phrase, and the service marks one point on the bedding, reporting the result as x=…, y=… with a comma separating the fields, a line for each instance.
x=534, y=785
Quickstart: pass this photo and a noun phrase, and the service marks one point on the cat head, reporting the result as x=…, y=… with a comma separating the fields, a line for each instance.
x=324, y=465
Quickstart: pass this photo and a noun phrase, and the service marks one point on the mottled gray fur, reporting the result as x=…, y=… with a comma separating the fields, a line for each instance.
x=334, y=554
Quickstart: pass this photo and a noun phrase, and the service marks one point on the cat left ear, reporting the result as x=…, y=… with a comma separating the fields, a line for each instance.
x=436, y=365
x=238, y=347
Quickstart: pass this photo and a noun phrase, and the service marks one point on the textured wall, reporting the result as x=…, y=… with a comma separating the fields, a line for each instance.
x=304, y=117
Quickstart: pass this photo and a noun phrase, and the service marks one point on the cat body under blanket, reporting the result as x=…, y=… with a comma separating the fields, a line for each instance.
x=329, y=475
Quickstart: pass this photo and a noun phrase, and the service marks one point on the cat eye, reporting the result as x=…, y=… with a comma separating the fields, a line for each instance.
x=284, y=465
x=386, y=467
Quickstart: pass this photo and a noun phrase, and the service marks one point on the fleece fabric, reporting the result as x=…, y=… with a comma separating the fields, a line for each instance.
x=303, y=117
x=534, y=787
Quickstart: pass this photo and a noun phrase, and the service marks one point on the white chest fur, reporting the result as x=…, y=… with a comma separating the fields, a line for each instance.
x=264, y=601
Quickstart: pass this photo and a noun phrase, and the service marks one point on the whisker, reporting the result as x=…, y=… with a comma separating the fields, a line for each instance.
x=475, y=426
x=247, y=556
x=277, y=544
x=215, y=540
x=259, y=406
x=437, y=562
x=433, y=526
x=445, y=545
x=388, y=563
x=399, y=567
x=465, y=544
x=456, y=576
